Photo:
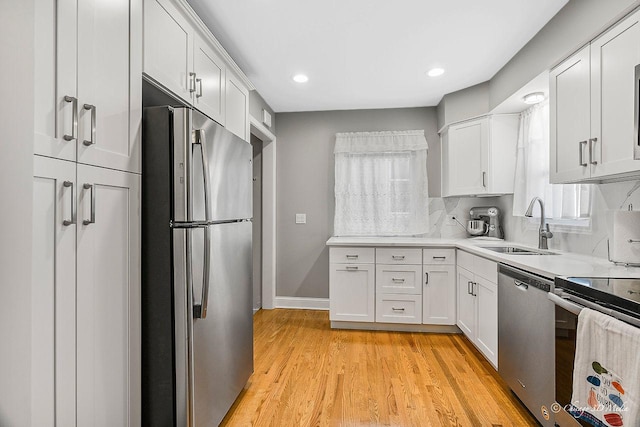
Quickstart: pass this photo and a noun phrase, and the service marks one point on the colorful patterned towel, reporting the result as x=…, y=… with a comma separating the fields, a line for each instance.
x=606, y=373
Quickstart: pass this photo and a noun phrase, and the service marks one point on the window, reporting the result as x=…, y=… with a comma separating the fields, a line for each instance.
x=568, y=205
x=381, y=186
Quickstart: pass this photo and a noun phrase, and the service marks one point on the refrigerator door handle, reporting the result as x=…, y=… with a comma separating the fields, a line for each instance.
x=200, y=310
x=200, y=139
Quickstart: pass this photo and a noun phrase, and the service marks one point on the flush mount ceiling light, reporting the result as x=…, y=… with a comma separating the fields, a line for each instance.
x=533, y=98
x=435, y=72
x=300, y=78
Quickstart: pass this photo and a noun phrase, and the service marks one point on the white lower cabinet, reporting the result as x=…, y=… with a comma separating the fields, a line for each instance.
x=352, y=292
x=477, y=303
x=439, y=295
x=85, y=295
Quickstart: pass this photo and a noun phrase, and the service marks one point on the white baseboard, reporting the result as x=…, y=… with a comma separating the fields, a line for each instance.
x=302, y=303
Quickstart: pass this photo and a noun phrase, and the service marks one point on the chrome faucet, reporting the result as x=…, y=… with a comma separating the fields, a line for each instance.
x=544, y=233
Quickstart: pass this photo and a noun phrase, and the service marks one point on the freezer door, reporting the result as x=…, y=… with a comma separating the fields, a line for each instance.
x=222, y=343
x=221, y=172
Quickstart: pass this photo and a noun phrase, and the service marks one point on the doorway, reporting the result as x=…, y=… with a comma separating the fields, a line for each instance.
x=256, y=143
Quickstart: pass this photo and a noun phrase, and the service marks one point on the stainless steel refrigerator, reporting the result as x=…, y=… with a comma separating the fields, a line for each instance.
x=197, y=319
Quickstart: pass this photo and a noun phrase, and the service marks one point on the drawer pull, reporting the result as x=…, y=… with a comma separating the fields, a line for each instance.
x=352, y=268
x=426, y=280
x=393, y=279
x=352, y=256
x=439, y=257
x=398, y=257
x=397, y=309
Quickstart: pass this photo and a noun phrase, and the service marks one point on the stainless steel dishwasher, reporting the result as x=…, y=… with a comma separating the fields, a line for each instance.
x=526, y=339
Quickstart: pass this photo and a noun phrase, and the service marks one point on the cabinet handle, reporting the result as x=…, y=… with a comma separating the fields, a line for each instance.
x=591, y=142
x=426, y=279
x=393, y=279
x=352, y=268
x=192, y=82
x=199, y=93
x=472, y=286
x=352, y=256
x=397, y=257
x=74, y=118
x=484, y=179
x=469, y=287
x=91, y=141
x=72, y=220
x=93, y=205
x=581, y=151
x=397, y=309
x=439, y=257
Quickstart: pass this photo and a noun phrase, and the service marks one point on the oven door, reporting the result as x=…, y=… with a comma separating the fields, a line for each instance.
x=566, y=325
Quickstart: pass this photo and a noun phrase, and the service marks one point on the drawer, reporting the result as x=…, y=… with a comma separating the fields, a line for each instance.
x=399, y=279
x=487, y=269
x=399, y=256
x=339, y=255
x=398, y=308
x=465, y=260
x=439, y=256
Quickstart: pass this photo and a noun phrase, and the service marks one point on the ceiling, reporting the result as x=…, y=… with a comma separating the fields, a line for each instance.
x=361, y=54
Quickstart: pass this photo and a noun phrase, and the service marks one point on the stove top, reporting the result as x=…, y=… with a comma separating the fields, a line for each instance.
x=615, y=293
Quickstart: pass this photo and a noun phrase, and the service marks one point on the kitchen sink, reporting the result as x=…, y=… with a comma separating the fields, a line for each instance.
x=514, y=250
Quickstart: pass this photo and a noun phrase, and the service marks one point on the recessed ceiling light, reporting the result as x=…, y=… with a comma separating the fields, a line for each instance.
x=300, y=78
x=533, y=98
x=435, y=72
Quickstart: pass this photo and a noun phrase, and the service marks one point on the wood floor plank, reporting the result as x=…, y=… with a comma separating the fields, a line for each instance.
x=307, y=374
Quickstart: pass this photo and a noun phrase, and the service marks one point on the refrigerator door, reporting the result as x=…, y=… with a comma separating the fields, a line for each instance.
x=222, y=343
x=226, y=160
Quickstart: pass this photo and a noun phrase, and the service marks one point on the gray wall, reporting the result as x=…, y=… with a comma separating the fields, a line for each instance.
x=256, y=105
x=305, y=181
x=16, y=172
x=463, y=104
x=572, y=27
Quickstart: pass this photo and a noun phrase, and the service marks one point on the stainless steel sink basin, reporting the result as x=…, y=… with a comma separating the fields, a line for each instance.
x=514, y=250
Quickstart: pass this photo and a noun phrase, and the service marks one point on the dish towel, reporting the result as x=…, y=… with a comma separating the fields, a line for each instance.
x=606, y=371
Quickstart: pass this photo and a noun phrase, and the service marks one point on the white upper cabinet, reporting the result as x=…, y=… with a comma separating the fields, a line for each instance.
x=168, y=47
x=181, y=55
x=479, y=156
x=88, y=92
x=592, y=106
x=210, y=81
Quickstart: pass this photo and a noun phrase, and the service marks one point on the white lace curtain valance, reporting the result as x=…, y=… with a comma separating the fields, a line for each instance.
x=381, y=185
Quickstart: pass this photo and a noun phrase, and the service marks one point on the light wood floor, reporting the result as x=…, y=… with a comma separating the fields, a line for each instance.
x=307, y=374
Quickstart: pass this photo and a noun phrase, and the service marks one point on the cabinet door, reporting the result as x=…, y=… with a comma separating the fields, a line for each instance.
x=486, y=294
x=53, y=363
x=168, y=47
x=237, y=108
x=55, y=78
x=613, y=59
x=108, y=298
x=352, y=292
x=466, y=306
x=570, y=117
x=468, y=157
x=210, y=81
x=104, y=94
x=439, y=295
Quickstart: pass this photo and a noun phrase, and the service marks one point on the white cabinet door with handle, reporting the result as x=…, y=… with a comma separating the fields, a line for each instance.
x=53, y=373
x=55, y=71
x=105, y=97
x=108, y=297
x=439, y=295
x=466, y=316
x=469, y=157
x=486, y=294
x=210, y=81
x=352, y=292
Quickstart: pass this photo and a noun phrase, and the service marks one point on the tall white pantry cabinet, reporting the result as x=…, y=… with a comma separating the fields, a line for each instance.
x=85, y=310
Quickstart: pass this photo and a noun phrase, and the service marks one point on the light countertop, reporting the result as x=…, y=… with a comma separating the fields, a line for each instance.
x=561, y=264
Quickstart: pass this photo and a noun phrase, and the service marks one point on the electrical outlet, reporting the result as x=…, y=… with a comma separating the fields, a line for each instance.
x=451, y=220
x=301, y=218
